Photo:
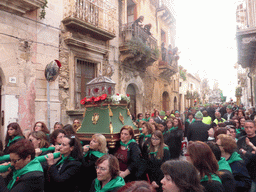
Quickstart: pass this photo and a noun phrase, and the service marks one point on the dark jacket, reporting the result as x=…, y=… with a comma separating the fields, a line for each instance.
x=212, y=186
x=225, y=116
x=174, y=140
x=228, y=181
x=154, y=167
x=6, y=149
x=198, y=131
x=144, y=145
x=241, y=176
x=64, y=179
x=242, y=144
x=32, y=182
x=136, y=165
x=88, y=167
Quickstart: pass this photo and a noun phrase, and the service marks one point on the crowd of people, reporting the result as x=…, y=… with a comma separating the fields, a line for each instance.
x=206, y=148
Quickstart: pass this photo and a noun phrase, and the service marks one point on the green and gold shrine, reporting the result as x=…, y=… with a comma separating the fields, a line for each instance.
x=105, y=112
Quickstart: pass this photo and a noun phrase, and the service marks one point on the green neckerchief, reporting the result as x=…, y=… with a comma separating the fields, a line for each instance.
x=223, y=165
x=173, y=128
x=144, y=136
x=234, y=157
x=146, y=119
x=193, y=120
x=111, y=185
x=155, y=153
x=65, y=158
x=14, y=139
x=126, y=145
x=33, y=165
x=239, y=130
x=95, y=153
x=214, y=178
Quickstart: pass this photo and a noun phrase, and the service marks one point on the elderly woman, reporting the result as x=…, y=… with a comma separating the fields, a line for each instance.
x=63, y=175
x=27, y=174
x=13, y=135
x=128, y=154
x=228, y=148
x=96, y=149
x=202, y=157
x=158, y=153
x=180, y=176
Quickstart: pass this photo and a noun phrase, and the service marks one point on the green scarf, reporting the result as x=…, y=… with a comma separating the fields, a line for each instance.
x=95, y=153
x=239, y=130
x=193, y=120
x=14, y=139
x=223, y=165
x=64, y=159
x=234, y=157
x=173, y=128
x=144, y=136
x=33, y=165
x=155, y=153
x=126, y=145
x=111, y=185
x=214, y=178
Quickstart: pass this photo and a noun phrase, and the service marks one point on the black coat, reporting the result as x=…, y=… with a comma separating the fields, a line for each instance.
x=136, y=165
x=144, y=146
x=88, y=167
x=32, y=182
x=6, y=149
x=65, y=179
x=242, y=144
x=225, y=116
x=198, y=131
x=174, y=141
x=154, y=168
x=228, y=181
x=241, y=176
x=212, y=186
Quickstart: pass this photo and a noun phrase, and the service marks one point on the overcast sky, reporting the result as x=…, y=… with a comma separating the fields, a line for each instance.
x=205, y=37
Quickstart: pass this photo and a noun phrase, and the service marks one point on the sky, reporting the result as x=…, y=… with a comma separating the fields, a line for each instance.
x=206, y=38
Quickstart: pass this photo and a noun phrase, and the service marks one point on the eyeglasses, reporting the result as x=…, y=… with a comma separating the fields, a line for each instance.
x=186, y=155
x=14, y=160
x=147, y=114
x=100, y=168
x=155, y=139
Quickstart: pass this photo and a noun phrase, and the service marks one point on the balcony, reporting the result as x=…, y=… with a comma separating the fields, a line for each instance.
x=96, y=17
x=137, y=46
x=168, y=65
x=164, y=12
x=20, y=7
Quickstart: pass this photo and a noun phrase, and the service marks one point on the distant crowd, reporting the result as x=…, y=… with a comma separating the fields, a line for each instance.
x=218, y=143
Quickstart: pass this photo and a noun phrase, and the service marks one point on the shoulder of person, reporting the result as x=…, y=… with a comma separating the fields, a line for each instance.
x=32, y=174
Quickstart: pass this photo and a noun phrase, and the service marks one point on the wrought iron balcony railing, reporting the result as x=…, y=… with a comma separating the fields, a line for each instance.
x=99, y=13
x=129, y=31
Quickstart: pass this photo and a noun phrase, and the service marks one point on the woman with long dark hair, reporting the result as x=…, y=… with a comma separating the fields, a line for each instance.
x=173, y=139
x=145, y=138
x=202, y=157
x=180, y=176
x=13, y=134
x=158, y=154
x=64, y=174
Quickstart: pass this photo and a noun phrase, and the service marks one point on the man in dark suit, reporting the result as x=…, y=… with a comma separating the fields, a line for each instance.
x=198, y=131
x=229, y=115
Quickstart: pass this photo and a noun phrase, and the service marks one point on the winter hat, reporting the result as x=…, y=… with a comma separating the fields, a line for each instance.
x=199, y=115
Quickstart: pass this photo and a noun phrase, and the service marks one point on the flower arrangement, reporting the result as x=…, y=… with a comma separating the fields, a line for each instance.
x=115, y=99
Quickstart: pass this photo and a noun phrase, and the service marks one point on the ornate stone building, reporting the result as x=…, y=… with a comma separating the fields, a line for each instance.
x=27, y=45
x=246, y=41
x=89, y=38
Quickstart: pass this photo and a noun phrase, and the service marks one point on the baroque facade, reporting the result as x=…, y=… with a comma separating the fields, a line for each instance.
x=89, y=38
x=246, y=40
